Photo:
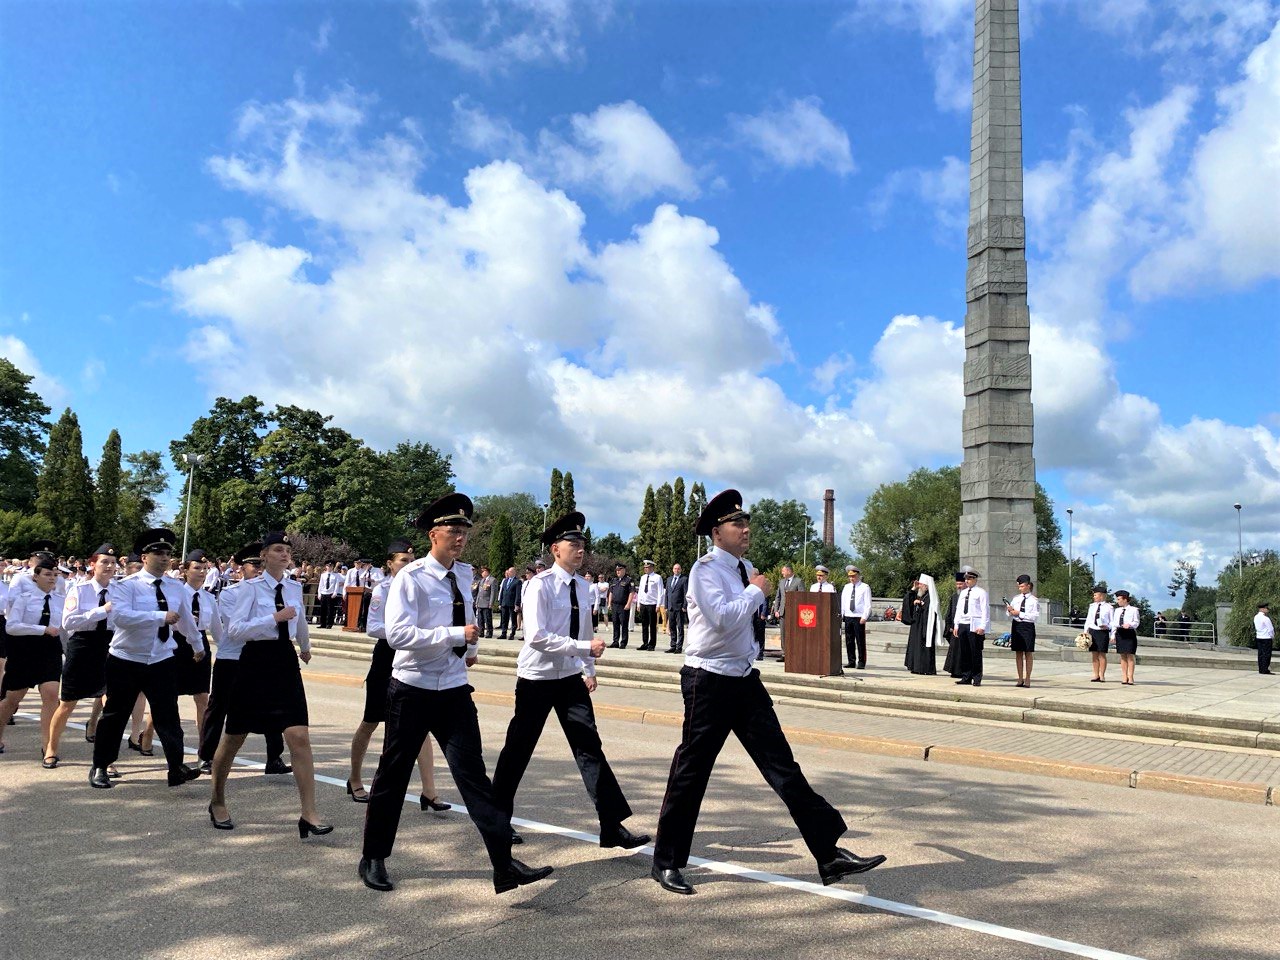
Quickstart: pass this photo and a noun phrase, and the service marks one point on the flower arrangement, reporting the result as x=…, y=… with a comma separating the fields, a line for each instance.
x=1083, y=641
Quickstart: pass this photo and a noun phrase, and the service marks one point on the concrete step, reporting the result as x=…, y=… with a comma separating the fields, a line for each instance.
x=1069, y=653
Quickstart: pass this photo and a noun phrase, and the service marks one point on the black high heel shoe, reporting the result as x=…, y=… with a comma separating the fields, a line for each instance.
x=220, y=824
x=434, y=803
x=352, y=794
x=306, y=828
x=135, y=746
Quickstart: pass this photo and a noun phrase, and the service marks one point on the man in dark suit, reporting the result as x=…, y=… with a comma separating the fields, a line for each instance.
x=508, y=598
x=677, y=616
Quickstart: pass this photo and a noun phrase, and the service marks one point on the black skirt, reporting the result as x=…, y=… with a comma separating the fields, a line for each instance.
x=32, y=661
x=1022, y=637
x=376, y=681
x=4, y=640
x=1101, y=641
x=193, y=676
x=268, y=696
x=1126, y=640
x=84, y=675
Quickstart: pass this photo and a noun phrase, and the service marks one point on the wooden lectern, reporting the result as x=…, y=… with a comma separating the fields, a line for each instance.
x=813, y=634
x=355, y=596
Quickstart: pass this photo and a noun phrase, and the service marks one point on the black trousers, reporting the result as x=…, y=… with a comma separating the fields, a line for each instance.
x=757, y=627
x=568, y=697
x=328, y=607
x=1264, y=655
x=450, y=716
x=714, y=706
x=855, y=642
x=508, y=615
x=647, y=617
x=484, y=620
x=215, y=714
x=158, y=682
x=620, y=617
x=970, y=652
x=364, y=607
x=676, y=620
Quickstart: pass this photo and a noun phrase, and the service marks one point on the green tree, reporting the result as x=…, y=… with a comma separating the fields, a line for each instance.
x=1260, y=582
x=663, y=499
x=779, y=532
x=607, y=552
x=645, y=543
x=106, y=493
x=525, y=516
x=555, y=501
x=1053, y=585
x=419, y=474
x=502, y=546
x=226, y=511
x=358, y=509
x=64, y=489
x=22, y=431
x=297, y=468
x=143, y=483
x=697, y=502
x=19, y=528
x=678, y=537
x=570, y=498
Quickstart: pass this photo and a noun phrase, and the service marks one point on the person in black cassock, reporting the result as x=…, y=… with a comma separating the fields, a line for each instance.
x=952, y=664
x=920, y=612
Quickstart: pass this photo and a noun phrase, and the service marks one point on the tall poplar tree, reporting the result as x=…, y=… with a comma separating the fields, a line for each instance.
x=646, y=542
x=662, y=531
x=555, y=502
x=502, y=546
x=570, y=498
x=64, y=490
x=106, y=494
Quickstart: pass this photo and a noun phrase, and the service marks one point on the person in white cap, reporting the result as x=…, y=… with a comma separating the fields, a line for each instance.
x=972, y=619
x=855, y=609
x=649, y=597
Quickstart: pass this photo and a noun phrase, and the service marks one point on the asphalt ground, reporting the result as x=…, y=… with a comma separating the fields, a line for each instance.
x=982, y=864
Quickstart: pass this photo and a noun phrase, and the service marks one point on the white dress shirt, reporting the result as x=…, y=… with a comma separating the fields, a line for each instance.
x=136, y=618
x=1127, y=617
x=82, y=613
x=27, y=608
x=1098, y=617
x=720, y=637
x=1263, y=628
x=549, y=651
x=212, y=577
x=1028, y=608
x=210, y=619
x=855, y=601
x=650, y=591
x=419, y=623
x=823, y=586
x=329, y=584
x=972, y=609
x=249, y=614
x=376, y=622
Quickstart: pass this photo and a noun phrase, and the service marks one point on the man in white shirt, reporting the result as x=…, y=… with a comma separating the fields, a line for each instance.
x=823, y=585
x=855, y=608
x=1265, y=632
x=723, y=694
x=1023, y=612
x=556, y=671
x=649, y=597
x=328, y=590
x=431, y=627
x=972, y=619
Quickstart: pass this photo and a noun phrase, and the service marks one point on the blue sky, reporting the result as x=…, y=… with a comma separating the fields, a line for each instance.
x=641, y=240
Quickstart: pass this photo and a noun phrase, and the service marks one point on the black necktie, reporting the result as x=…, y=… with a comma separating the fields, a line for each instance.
x=44, y=614
x=742, y=572
x=573, y=609
x=282, y=628
x=1097, y=614
x=966, y=602
x=1023, y=609
x=163, y=606
x=102, y=602
x=459, y=610
x=195, y=615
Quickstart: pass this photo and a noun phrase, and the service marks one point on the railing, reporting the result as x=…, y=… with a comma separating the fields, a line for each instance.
x=1187, y=631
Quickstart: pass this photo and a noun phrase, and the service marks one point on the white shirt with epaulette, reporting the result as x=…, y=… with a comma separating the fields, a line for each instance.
x=419, y=622
x=549, y=651
x=720, y=637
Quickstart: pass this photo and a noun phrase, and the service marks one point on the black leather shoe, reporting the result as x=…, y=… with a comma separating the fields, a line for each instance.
x=620, y=836
x=277, y=765
x=206, y=766
x=515, y=837
x=374, y=874
x=183, y=774
x=963, y=683
x=98, y=778
x=845, y=864
x=672, y=880
x=976, y=683
x=518, y=875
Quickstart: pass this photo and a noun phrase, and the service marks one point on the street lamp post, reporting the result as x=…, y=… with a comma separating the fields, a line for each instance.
x=1071, y=557
x=192, y=460
x=804, y=555
x=1093, y=567
x=1239, y=546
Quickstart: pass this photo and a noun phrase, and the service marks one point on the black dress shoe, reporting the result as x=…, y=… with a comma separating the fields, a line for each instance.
x=672, y=880
x=976, y=683
x=135, y=746
x=963, y=683
x=182, y=774
x=206, y=766
x=671, y=650
x=518, y=875
x=374, y=874
x=276, y=765
x=620, y=836
x=434, y=803
x=98, y=778
x=306, y=828
x=846, y=864
x=515, y=837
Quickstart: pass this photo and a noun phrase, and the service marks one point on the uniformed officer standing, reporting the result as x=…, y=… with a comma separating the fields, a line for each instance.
x=649, y=597
x=434, y=637
x=722, y=694
x=556, y=671
x=145, y=609
x=972, y=619
x=329, y=590
x=1264, y=631
x=1023, y=614
x=621, y=595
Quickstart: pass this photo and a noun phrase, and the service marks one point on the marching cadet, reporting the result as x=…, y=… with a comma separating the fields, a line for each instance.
x=556, y=671
x=225, y=669
x=723, y=693
x=195, y=676
x=84, y=620
x=262, y=614
x=1023, y=614
x=145, y=608
x=34, y=626
x=433, y=634
x=399, y=553
x=972, y=619
x=649, y=597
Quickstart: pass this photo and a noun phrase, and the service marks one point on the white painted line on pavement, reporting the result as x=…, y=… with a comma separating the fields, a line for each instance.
x=789, y=883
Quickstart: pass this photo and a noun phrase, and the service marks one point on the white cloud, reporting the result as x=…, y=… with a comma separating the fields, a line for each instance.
x=493, y=36
x=16, y=351
x=946, y=27
x=943, y=189
x=829, y=376
x=797, y=136
x=323, y=35
x=619, y=151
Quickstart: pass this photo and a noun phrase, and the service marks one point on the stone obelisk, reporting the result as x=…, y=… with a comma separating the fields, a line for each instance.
x=998, y=476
